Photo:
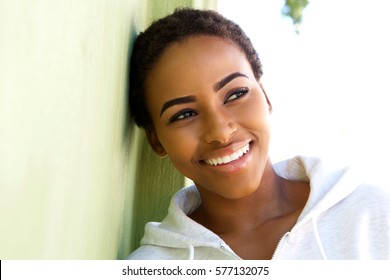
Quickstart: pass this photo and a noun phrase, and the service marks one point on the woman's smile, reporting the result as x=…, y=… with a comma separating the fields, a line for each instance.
x=231, y=157
x=232, y=162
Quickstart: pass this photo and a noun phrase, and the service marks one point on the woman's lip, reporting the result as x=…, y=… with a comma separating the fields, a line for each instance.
x=226, y=156
x=232, y=167
x=235, y=155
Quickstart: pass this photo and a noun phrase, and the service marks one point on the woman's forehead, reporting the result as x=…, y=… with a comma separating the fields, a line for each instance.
x=201, y=43
x=208, y=54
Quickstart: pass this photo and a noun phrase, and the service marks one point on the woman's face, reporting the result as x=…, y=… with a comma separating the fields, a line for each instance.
x=211, y=115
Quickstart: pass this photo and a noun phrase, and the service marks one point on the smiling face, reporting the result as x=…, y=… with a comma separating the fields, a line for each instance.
x=210, y=115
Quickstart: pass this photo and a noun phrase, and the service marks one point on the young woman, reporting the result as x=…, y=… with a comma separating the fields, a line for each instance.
x=196, y=90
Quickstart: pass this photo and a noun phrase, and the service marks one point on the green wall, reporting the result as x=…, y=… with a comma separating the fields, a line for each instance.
x=77, y=180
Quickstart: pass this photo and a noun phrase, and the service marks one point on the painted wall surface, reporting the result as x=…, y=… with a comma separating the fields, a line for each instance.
x=77, y=180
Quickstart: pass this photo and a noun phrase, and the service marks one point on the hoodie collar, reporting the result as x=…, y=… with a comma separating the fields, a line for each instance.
x=328, y=185
x=177, y=230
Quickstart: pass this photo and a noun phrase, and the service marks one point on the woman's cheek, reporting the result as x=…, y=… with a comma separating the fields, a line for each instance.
x=180, y=146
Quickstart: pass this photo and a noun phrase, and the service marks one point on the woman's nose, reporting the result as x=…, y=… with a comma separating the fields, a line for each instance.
x=218, y=129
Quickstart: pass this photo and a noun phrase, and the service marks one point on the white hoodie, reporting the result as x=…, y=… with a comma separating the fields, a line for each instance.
x=342, y=219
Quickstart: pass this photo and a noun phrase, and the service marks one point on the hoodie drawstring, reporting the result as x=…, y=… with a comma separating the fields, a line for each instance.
x=191, y=252
x=318, y=239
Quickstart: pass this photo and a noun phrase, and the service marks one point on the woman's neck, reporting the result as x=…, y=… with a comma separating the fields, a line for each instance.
x=272, y=199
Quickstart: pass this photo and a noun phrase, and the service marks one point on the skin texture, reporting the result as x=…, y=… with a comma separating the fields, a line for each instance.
x=206, y=104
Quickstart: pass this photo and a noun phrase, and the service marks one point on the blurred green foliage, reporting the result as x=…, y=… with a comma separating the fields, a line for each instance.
x=294, y=10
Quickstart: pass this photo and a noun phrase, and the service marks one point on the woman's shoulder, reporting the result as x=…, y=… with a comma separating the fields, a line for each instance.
x=373, y=194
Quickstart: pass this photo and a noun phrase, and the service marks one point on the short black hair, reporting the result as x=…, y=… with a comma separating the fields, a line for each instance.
x=182, y=24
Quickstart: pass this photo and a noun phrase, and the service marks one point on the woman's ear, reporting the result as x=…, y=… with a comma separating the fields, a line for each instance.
x=155, y=143
x=266, y=97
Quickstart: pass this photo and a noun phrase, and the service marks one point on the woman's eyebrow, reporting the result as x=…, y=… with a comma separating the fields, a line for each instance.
x=177, y=101
x=190, y=98
x=217, y=86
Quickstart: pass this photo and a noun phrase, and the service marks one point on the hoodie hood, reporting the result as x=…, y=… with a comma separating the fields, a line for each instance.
x=178, y=231
x=327, y=185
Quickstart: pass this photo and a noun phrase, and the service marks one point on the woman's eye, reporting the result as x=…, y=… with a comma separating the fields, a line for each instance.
x=236, y=94
x=182, y=115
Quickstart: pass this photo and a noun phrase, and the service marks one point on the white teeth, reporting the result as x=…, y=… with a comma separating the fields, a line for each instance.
x=234, y=156
x=226, y=159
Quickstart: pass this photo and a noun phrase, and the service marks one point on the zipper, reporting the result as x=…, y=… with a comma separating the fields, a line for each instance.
x=276, y=252
x=279, y=246
x=231, y=252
